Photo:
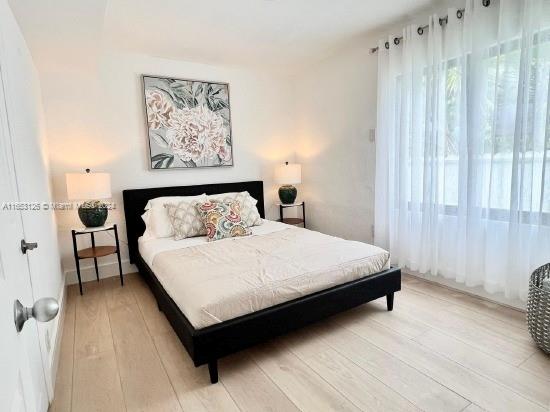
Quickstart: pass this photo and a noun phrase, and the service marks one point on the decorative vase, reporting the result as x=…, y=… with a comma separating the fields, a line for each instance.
x=287, y=194
x=93, y=214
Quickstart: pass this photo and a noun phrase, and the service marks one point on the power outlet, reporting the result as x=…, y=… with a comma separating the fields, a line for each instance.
x=372, y=135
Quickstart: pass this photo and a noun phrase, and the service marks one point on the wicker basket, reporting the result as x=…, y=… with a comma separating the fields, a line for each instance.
x=538, y=307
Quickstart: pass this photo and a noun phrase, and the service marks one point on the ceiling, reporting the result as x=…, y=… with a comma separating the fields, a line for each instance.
x=276, y=33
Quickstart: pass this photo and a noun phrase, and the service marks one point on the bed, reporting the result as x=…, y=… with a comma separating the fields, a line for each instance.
x=217, y=312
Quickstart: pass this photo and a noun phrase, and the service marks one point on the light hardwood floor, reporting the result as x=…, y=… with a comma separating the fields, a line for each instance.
x=439, y=350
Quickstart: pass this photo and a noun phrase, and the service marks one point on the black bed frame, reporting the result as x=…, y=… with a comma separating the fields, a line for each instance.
x=207, y=345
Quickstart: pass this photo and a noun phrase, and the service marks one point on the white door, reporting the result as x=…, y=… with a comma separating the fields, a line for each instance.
x=22, y=384
x=22, y=380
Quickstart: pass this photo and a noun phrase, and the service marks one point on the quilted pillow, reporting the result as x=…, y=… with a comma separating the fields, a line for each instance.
x=185, y=219
x=249, y=211
x=159, y=222
x=222, y=219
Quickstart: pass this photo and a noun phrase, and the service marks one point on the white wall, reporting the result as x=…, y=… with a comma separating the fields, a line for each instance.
x=336, y=109
x=95, y=118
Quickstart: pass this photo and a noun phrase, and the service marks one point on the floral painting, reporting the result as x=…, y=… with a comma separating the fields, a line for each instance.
x=189, y=123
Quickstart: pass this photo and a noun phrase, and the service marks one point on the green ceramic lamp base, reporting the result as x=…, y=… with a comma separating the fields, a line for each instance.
x=287, y=194
x=92, y=216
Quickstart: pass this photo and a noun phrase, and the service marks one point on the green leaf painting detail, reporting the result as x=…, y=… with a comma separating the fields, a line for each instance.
x=162, y=160
x=189, y=123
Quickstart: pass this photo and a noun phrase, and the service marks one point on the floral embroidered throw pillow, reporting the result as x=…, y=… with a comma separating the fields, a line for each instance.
x=222, y=219
x=249, y=211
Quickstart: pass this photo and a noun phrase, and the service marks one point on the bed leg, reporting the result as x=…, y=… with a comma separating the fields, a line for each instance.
x=389, y=301
x=213, y=370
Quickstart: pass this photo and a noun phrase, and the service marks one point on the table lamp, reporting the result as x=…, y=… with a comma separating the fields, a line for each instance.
x=91, y=188
x=288, y=175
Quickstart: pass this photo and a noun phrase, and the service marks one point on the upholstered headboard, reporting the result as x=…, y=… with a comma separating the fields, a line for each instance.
x=136, y=199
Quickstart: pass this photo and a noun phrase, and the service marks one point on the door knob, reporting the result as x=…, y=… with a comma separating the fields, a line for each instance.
x=43, y=310
x=27, y=246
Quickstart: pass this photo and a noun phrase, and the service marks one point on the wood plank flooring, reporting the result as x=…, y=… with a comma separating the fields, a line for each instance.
x=439, y=350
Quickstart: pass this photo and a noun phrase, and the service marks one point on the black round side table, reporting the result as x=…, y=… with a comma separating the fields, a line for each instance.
x=292, y=220
x=95, y=252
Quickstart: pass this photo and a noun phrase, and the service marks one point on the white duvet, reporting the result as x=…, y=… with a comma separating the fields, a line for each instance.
x=217, y=281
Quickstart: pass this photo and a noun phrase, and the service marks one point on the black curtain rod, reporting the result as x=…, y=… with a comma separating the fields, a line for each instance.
x=420, y=30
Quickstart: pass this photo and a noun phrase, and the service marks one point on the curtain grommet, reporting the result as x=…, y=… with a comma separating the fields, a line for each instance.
x=459, y=14
x=396, y=41
x=486, y=3
x=387, y=45
x=420, y=31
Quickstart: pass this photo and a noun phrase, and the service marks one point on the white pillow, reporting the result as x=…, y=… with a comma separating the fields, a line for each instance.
x=249, y=212
x=159, y=222
x=148, y=234
x=158, y=202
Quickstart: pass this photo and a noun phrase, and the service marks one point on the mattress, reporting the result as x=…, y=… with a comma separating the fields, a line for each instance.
x=212, y=282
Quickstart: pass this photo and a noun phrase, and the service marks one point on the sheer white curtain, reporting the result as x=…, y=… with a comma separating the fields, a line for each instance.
x=463, y=146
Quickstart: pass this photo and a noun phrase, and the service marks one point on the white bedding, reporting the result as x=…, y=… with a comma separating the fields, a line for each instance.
x=217, y=281
x=151, y=247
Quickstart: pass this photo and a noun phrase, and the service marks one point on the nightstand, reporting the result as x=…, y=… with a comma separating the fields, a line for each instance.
x=293, y=220
x=95, y=252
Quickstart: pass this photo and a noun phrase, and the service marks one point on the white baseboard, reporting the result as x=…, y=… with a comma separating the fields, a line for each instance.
x=106, y=270
x=477, y=291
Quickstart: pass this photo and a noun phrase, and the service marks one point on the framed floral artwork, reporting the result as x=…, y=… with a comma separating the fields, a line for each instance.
x=188, y=123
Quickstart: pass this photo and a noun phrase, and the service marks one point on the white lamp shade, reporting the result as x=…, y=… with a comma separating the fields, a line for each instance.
x=289, y=174
x=88, y=186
